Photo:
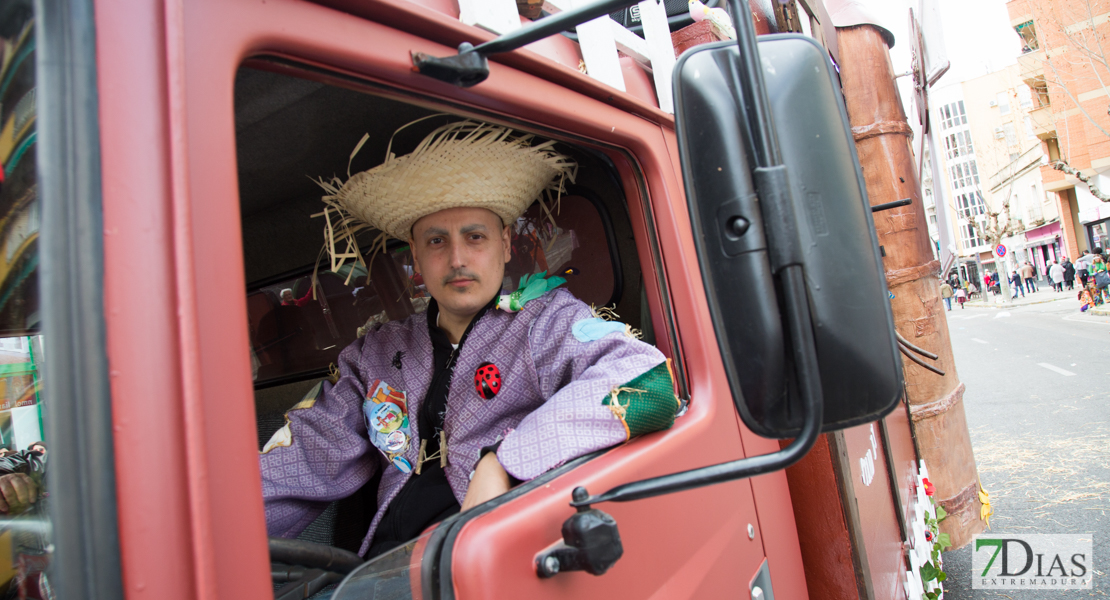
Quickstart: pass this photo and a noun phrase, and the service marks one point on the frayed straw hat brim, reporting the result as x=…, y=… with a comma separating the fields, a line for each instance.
x=463, y=164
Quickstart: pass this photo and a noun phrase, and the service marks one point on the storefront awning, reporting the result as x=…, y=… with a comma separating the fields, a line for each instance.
x=1045, y=234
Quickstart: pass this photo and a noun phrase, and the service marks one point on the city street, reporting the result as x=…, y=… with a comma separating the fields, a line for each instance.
x=1038, y=409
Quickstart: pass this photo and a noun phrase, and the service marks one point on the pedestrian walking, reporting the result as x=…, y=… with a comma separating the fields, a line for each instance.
x=1056, y=276
x=961, y=297
x=946, y=293
x=987, y=282
x=1069, y=274
x=1015, y=281
x=1082, y=267
x=1027, y=273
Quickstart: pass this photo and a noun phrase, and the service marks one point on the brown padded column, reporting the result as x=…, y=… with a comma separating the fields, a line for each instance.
x=936, y=403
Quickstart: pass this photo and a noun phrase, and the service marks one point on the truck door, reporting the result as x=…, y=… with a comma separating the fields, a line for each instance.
x=181, y=84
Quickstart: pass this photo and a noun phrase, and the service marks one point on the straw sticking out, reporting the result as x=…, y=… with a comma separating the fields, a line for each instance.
x=462, y=164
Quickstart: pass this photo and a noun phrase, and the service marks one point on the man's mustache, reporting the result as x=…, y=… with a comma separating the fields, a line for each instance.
x=460, y=274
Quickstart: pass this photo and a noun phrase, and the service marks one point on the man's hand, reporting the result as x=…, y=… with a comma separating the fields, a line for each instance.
x=17, y=493
x=490, y=481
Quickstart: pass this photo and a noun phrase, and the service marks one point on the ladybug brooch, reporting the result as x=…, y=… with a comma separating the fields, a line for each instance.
x=487, y=380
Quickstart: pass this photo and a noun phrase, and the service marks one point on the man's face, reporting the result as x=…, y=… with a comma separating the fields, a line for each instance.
x=461, y=252
x=287, y=296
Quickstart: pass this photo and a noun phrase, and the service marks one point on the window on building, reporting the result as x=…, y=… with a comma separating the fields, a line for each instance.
x=1028, y=35
x=1025, y=96
x=960, y=176
x=1040, y=88
x=1029, y=128
x=1010, y=133
x=974, y=172
x=1014, y=156
x=952, y=115
x=957, y=144
x=1003, y=100
x=1033, y=211
x=969, y=237
x=1053, y=147
x=969, y=205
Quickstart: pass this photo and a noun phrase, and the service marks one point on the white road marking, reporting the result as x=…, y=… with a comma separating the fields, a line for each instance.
x=1063, y=372
x=980, y=341
x=1002, y=314
x=1084, y=319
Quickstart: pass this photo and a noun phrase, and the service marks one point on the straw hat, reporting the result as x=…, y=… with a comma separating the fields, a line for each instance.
x=463, y=164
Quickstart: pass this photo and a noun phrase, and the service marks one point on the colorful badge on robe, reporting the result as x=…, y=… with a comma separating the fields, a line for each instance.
x=386, y=418
x=402, y=464
x=487, y=380
x=382, y=392
x=387, y=422
x=396, y=442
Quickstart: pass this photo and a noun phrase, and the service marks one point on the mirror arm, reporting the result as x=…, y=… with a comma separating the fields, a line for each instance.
x=748, y=79
x=470, y=67
x=890, y=205
x=786, y=260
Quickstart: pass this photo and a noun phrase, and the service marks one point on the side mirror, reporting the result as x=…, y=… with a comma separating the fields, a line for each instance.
x=827, y=209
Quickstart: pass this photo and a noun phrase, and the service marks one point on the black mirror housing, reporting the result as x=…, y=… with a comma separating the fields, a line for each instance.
x=851, y=318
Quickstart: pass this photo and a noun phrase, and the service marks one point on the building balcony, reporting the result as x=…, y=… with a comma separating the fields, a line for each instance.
x=1043, y=122
x=1031, y=66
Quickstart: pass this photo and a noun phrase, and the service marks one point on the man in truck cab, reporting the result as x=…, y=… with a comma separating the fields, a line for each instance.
x=483, y=390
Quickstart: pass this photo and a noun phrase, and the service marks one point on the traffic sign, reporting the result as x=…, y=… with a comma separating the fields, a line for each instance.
x=1000, y=251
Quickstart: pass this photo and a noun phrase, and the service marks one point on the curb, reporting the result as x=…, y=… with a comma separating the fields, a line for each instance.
x=998, y=306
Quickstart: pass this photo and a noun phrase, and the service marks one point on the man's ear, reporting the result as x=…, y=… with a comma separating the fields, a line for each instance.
x=412, y=251
x=507, y=242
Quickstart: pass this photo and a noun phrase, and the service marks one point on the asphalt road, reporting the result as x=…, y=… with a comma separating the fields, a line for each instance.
x=1038, y=409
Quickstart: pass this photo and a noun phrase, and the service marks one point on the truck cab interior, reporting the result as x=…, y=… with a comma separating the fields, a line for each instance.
x=294, y=126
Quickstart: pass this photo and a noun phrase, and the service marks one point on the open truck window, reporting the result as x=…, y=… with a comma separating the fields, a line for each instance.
x=295, y=127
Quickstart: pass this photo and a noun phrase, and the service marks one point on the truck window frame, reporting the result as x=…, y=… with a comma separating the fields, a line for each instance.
x=317, y=71
x=436, y=575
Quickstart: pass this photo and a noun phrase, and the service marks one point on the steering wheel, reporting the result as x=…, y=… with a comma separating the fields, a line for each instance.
x=307, y=567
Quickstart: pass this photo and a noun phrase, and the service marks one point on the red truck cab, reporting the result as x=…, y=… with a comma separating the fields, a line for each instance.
x=176, y=151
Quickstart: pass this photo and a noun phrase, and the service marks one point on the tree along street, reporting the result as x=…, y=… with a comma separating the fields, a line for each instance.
x=1038, y=409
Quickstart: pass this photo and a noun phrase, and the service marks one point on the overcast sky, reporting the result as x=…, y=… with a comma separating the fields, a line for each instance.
x=977, y=35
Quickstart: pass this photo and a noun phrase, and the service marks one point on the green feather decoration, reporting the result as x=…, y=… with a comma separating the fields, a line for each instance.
x=530, y=288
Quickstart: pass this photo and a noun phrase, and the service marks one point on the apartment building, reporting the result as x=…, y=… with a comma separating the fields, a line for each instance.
x=1010, y=156
x=962, y=183
x=992, y=162
x=1063, y=64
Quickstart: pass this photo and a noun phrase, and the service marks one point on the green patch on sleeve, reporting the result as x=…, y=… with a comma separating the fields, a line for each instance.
x=647, y=403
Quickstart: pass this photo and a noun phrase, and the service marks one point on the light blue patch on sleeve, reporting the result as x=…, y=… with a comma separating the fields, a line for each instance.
x=588, y=330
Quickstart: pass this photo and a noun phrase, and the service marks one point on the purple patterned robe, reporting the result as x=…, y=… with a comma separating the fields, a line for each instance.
x=548, y=410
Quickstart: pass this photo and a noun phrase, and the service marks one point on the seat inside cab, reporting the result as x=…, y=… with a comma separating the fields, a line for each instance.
x=294, y=127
